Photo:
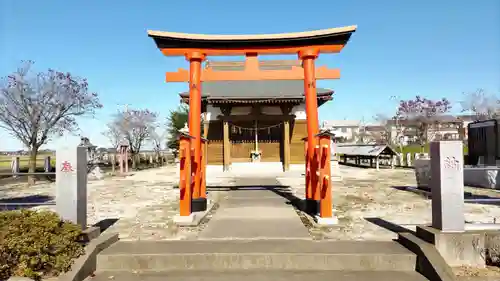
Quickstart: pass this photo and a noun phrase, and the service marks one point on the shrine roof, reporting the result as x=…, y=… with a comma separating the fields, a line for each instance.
x=174, y=40
x=371, y=150
x=257, y=92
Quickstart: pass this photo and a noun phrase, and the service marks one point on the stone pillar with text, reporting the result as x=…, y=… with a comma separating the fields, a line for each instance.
x=447, y=186
x=71, y=184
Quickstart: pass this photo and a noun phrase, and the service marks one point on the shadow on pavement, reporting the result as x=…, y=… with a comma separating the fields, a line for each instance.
x=105, y=224
x=280, y=190
x=469, y=197
x=396, y=228
x=22, y=202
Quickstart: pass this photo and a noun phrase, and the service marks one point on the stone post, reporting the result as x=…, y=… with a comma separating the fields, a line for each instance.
x=125, y=156
x=113, y=162
x=393, y=161
x=408, y=159
x=377, y=163
x=46, y=165
x=121, y=158
x=14, y=165
x=71, y=184
x=447, y=186
x=400, y=159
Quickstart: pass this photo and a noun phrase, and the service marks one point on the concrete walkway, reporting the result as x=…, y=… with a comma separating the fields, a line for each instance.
x=254, y=211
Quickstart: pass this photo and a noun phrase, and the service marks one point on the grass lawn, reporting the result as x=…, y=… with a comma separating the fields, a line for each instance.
x=5, y=161
x=415, y=148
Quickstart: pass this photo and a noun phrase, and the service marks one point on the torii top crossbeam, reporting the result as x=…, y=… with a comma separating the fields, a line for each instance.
x=330, y=40
x=325, y=40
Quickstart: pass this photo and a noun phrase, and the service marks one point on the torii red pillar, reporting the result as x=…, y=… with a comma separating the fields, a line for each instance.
x=312, y=184
x=195, y=59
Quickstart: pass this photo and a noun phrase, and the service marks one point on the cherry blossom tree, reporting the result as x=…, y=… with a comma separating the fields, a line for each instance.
x=37, y=106
x=421, y=114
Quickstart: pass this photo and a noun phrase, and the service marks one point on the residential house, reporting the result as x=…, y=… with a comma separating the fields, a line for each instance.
x=447, y=127
x=348, y=128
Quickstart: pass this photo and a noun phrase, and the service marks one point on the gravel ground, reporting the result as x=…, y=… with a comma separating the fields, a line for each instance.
x=366, y=197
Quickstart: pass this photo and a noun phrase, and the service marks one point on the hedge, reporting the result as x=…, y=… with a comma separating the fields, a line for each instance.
x=35, y=244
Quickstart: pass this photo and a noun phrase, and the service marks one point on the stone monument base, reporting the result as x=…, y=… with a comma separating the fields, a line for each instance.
x=465, y=248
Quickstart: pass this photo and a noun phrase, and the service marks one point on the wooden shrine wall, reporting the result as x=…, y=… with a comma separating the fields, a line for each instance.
x=298, y=131
x=215, y=150
x=271, y=151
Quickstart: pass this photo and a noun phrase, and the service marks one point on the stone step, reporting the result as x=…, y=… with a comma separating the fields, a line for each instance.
x=266, y=275
x=256, y=254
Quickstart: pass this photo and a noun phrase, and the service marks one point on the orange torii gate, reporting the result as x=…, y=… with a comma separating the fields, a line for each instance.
x=307, y=45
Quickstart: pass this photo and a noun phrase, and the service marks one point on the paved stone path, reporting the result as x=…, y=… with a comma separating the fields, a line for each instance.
x=254, y=211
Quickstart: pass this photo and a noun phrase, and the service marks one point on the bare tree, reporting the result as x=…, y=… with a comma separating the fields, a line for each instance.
x=386, y=126
x=158, y=137
x=136, y=126
x=35, y=107
x=114, y=135
x=393, y=129
x=422, y=113
x=361, y=135
x=484, y=106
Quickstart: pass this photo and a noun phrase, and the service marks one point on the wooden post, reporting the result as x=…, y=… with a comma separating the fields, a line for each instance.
x=308, y=57
x=227, y=149
x=185, y=175
x=286, y=145
x=47, y=167
x=195, y=59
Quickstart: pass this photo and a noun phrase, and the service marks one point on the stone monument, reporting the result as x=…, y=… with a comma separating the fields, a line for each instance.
x=94, y=171
x=71, y=184
x=447, y=186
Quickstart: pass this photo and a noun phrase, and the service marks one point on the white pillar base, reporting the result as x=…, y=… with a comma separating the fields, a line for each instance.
x=184, y=220
x=326, y=221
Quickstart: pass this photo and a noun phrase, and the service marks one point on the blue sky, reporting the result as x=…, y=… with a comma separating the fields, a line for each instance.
x=402, y=48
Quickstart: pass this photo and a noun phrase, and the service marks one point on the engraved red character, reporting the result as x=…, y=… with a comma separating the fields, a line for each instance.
x=66, y=167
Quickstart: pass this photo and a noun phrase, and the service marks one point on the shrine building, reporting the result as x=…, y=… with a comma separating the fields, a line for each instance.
x=255, y=121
